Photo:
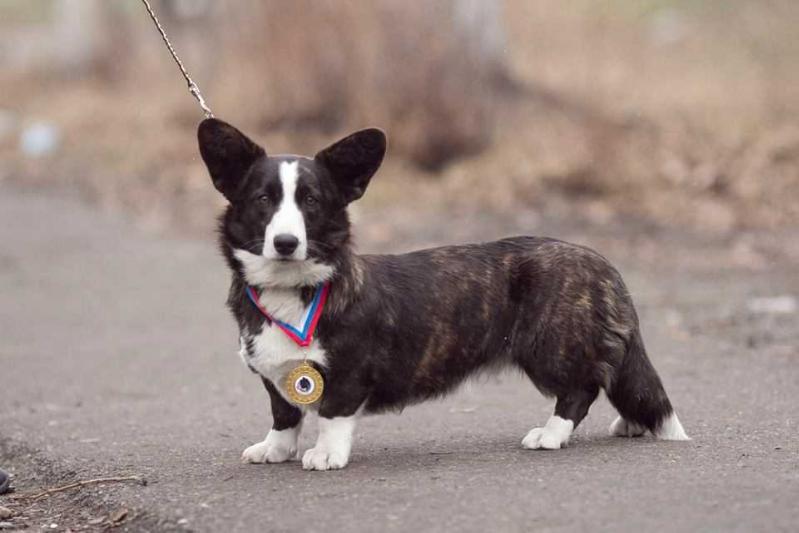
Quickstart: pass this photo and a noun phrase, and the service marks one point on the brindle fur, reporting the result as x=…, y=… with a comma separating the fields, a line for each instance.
x=400, y=329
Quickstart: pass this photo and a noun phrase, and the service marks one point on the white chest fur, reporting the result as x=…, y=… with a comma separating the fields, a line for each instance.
x=273, y=354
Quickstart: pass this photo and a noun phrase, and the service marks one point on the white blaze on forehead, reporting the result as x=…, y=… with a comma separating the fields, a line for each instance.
x=288, y=218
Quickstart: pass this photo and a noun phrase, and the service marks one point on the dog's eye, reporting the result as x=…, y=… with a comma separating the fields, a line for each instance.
x=263, y=199
x=310, y=200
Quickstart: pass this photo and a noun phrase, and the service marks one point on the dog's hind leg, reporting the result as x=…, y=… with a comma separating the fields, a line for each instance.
x=570, y=410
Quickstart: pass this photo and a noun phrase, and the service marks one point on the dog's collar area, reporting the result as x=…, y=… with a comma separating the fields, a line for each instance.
x=302, y=335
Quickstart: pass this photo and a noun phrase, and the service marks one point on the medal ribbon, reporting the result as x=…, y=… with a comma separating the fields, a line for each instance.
x=303, y=336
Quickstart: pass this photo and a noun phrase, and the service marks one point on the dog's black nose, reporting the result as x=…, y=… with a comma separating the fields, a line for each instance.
x=285, y=244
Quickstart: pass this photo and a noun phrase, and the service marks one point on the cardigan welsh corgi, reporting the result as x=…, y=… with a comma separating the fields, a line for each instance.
x=380, y=332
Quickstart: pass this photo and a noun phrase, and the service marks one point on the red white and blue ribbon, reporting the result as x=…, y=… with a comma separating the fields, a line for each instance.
x=304, y=335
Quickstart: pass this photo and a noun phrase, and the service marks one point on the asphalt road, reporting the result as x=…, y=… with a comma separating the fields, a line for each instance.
x=117, y=357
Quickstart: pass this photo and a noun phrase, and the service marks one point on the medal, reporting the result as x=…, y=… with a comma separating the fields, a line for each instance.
x=304, y=384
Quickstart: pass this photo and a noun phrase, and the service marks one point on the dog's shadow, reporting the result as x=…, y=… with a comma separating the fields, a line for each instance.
x=378, y=463
x=499, y=453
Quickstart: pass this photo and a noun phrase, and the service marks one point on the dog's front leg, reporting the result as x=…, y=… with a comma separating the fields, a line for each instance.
x=280, y=443
x=338, y=413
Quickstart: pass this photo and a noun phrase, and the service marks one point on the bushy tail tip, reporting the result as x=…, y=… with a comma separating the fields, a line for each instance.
x=671, y=429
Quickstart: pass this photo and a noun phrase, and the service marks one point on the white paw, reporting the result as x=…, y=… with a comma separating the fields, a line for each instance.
x=553, y=436
x=541, y=438
x=277, y=447
x=263, y=452
x=624, y=428
x=325, y=458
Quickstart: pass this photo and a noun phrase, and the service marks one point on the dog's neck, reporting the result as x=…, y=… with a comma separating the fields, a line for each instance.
x=347, y=281
x=287, y=292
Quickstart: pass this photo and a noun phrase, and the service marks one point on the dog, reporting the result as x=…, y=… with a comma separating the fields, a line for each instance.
x=394, y=330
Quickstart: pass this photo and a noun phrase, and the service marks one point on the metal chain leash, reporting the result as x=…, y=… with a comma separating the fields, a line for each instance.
x=193, y=89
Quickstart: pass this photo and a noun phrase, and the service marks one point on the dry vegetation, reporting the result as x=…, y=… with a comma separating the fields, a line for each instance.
x=664, y=110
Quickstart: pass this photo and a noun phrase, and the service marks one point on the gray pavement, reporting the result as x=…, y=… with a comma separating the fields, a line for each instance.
x=118, y=357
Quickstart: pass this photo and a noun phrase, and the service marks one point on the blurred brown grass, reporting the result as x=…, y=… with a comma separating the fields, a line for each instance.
x=673, y=111
x=405, y=66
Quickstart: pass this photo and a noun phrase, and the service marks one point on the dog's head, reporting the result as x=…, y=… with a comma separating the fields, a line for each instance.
x=287, y=219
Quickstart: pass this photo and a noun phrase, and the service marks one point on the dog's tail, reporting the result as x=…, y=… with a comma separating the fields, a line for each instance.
x=638, y=394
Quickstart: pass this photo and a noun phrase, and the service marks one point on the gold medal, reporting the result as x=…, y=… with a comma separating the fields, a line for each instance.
x=304, y=384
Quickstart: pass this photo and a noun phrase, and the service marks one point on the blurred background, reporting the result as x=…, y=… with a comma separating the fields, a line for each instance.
x=648, y=112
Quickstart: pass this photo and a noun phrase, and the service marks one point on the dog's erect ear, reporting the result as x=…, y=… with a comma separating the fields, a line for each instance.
x=353, y=161
x=227, y=153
